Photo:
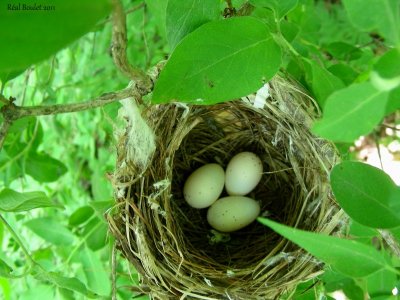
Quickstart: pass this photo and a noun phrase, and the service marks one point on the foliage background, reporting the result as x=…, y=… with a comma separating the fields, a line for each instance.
x=68, y=156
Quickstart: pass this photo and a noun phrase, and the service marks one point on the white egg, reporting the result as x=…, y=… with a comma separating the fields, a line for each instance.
x=243, y=173
x=232, y=213
x=204, y=186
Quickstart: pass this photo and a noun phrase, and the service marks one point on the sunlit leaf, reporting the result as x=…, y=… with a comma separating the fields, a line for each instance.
x=61, y=281
x=51, y=230
x=367, y=194
x=96, y=276
x=12, y=201
x=351, y=112
x=380, y=15
x=182, y=17
x=345, y=256
x=208, y=64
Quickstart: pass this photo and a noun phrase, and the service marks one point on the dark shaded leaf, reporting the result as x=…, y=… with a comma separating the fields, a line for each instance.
x=36, y=34
x=44, y=168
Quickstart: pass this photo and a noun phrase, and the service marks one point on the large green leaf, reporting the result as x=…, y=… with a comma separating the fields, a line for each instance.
x=96, y=276
x=345, y=256
x=352, y=112
x=220, y=61
x=380, y=15
x=182, y=17
x=33, y=35
x=367, y=194
x=11, y=200
x=322, y=82
x=44, y=168
x=51, y=230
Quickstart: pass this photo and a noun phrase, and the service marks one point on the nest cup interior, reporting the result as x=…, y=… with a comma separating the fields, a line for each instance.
x=223, y=131
x=172, y=245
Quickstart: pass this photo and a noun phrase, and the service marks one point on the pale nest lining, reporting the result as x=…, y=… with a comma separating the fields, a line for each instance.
x=171, y=245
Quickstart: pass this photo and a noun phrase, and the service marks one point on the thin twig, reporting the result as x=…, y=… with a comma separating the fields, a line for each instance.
x=114, y=272
x=127, y=12
x=118, y=49
x=18, y=240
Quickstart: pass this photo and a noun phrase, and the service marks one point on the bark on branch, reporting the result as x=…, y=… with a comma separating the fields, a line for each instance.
x=12, y=112
x=118, y=49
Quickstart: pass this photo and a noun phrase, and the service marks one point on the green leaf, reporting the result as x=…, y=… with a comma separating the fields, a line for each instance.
x=381, y=283
x=37, y=34
x=394, y=101
x=44, y=168
x=344, y=72
x=343, y=51
x=367, y=194
x=97, y=277
x=95, y=232
x=362, y=233
x=182, y=17
x=351, y=112
x=280, y=7
x=321, y=81
x=289, y=30
x=81, y=215
x=9, y=75
x=51, y=230
x=60, y=281
x=209, y=63
x=334, y=281
x=11, y=200
x=380, y=15
x=345, y=256
x=101, y=207
x=5, y=270
x=386, y=74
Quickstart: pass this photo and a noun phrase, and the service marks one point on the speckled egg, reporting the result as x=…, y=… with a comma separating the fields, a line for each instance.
x=232, y=213
x=204, y=186
x=243, y=173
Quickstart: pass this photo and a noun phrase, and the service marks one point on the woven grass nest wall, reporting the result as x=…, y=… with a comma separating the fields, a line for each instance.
x=175, y=251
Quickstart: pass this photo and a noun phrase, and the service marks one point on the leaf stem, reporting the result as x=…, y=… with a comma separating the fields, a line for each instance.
x=19, y=242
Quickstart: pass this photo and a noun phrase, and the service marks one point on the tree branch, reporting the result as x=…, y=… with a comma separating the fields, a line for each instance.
x=3, y=131
x=118, y=49
x=13, y=112
x=3, y=99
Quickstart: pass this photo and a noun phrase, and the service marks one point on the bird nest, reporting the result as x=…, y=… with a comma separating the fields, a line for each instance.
x=174, y=250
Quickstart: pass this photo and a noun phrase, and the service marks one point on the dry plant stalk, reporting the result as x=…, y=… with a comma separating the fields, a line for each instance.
x=171, y=245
